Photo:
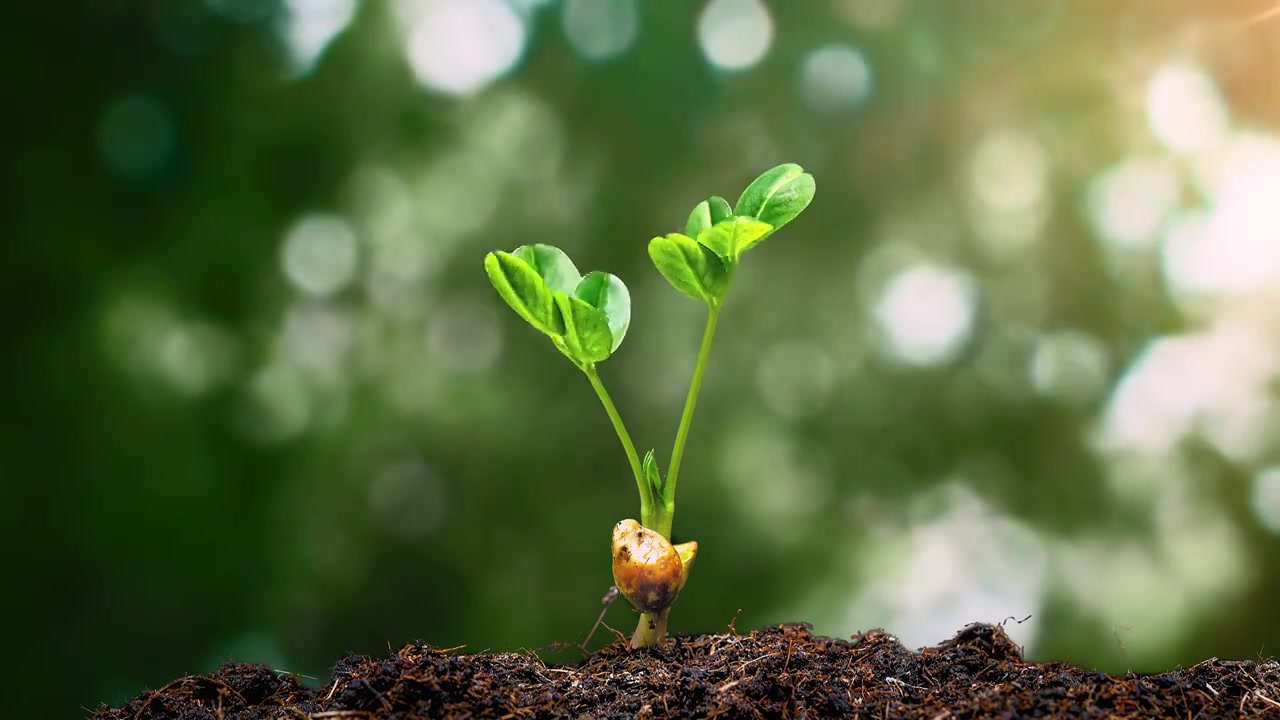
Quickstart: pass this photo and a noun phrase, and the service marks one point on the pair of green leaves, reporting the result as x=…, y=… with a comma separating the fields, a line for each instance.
x=701, y=262
x=586, y=316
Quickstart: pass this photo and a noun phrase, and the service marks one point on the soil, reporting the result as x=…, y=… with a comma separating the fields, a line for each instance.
x=777, y=672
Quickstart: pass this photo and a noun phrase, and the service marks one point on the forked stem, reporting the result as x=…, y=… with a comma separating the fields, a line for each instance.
x=658, y=513
x=652, y=628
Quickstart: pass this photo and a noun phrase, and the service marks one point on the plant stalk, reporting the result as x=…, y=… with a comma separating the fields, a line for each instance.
x=666, y=510
x=652, y=628
x=647, y=504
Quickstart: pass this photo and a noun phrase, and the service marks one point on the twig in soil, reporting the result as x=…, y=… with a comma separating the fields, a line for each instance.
x=902, y=684
x=733, y=630
x=1258, y=694
x=762, y=657
x=727, y=685
x=924, y=672
x=386, y=704
x=619, y=635
x=607, y=600
x=155, y=695
x=1210, y=686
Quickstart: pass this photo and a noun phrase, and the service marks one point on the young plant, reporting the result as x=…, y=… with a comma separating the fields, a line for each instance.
x=587, y=316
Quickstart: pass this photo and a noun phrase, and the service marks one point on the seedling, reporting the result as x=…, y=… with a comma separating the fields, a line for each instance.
x=587, y=316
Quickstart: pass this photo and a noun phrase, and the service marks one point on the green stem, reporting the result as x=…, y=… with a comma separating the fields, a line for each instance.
x=667, y=509
x=646, y=493
x=652, y=628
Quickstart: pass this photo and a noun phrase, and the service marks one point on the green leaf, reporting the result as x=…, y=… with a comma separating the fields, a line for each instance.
x=707, y=213
x=777, y=196
x=552, y=264
x=524, y=290
x=730, y=238
x=720, y=210
x=651, y=474
x=690, y=268
x=699, y=219
x=607, y=294
x=587, y=338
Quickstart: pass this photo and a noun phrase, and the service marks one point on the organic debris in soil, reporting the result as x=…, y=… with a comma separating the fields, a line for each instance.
x=778, y=672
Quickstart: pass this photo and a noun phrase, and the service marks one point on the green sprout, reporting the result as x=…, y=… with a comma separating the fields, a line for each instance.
x=587, y=316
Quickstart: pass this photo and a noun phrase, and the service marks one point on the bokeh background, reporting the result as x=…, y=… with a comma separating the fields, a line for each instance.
x=1021, y=357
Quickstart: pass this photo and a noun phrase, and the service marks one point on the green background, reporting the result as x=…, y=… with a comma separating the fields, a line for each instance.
x=1017, y=359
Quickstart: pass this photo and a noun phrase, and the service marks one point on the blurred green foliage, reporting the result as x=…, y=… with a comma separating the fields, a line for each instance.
x=263, y=405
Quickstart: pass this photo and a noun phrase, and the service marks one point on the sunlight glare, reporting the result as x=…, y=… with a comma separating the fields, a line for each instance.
x=146, y=337
x=1009, y=190
x=1211, y=383
x=194, y=357
x=1265, y=498
x=1185, y=109
x=308, y=26
x=278, y=406
x=1156, y=399
x=601, y=29
x=1232, y=246
x=735, y=34
x=959, y=562
x=925, y=313
x=460, y=46
x=1129, y=204
x=318, y=340
x=320, y=254
x=1070, y=366
x=835, y=78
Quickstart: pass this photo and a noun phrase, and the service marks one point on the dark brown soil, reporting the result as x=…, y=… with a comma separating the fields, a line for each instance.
x=780, y=672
